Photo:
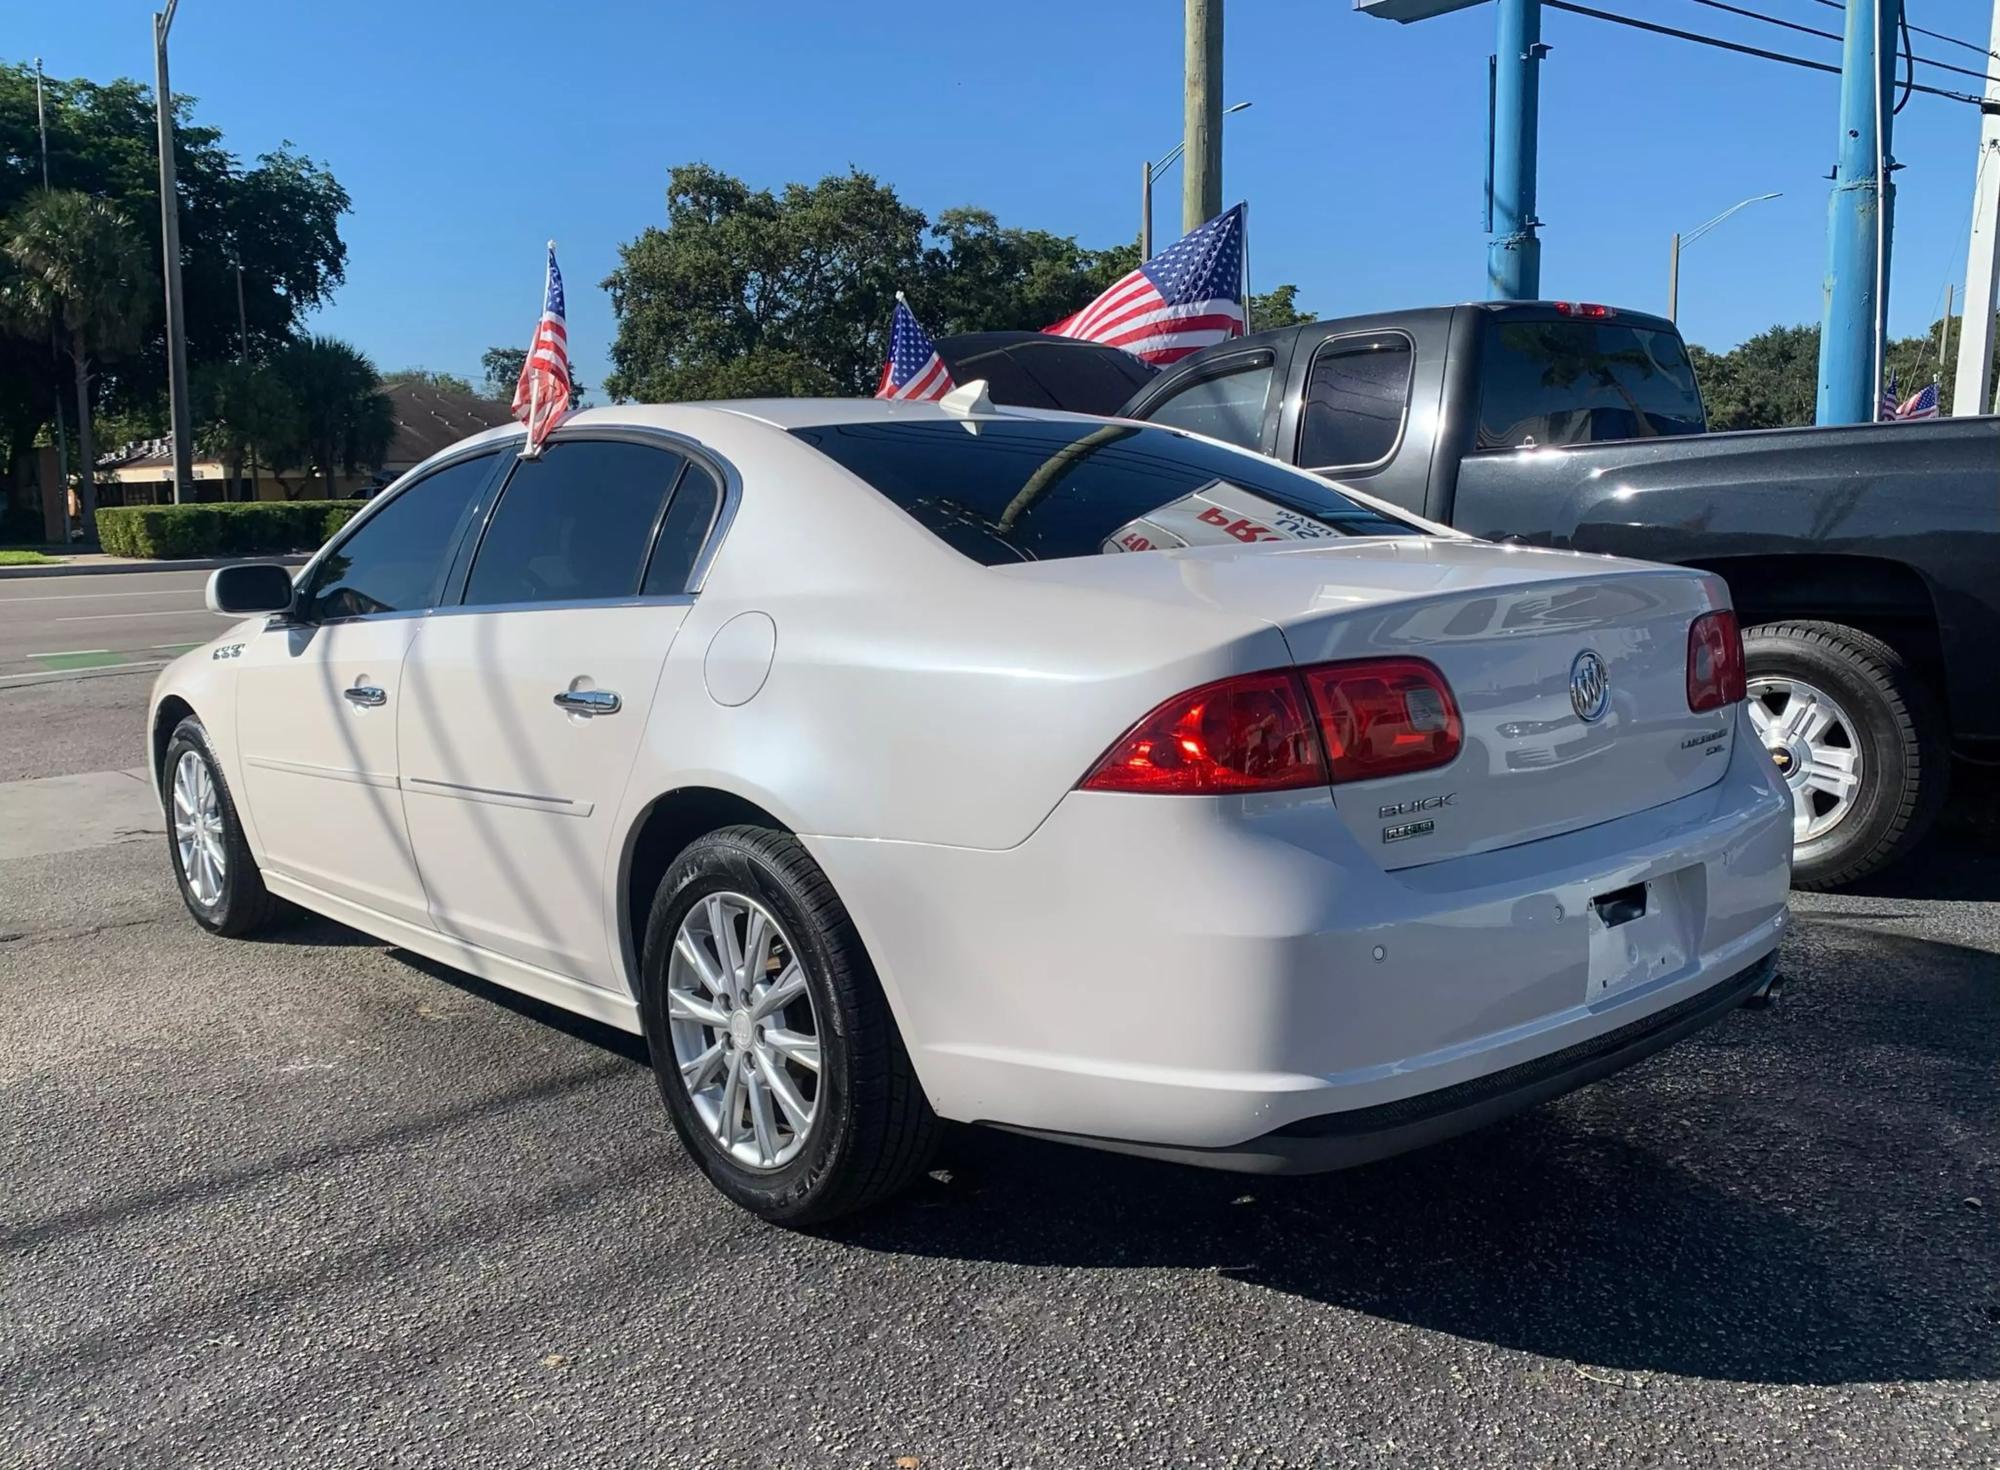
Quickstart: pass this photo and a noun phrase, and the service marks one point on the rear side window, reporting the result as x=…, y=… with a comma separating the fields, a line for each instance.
x=683, y=533
x=1229, y=407
x=1037, y=489
x=395, y=560
x=1581, y=382
x=1357, y=392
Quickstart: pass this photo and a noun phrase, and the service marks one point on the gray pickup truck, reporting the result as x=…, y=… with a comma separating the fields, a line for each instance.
x=1864, y=561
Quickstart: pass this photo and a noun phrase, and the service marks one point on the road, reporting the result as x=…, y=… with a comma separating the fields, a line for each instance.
x=53, y=626
x=313, y=1200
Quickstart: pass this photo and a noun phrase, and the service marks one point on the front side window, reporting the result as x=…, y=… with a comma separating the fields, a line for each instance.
x=1229, y=407
x=573, y=524
x=1582, y=382
x=1037, y=489
x=1357, y=392
x=395, y=560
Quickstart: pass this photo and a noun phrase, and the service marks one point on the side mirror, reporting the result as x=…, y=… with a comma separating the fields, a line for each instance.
x=258, y=587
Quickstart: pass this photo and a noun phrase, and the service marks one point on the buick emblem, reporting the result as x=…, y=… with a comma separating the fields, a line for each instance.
x=1589, y=687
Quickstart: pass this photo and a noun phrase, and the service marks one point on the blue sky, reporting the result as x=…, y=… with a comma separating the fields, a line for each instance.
x=469, y=133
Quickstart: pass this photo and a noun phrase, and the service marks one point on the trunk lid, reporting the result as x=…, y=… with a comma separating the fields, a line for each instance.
x=1506, y=626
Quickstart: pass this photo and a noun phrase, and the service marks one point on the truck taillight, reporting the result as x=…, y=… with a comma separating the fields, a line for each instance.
x=1232, y=737
x=1283, y=730
x=1589, y=309
x=1384, y=717
x=1715, y=661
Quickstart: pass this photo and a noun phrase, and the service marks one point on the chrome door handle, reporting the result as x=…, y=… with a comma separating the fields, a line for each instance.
x=589, y=702
x=366, y=695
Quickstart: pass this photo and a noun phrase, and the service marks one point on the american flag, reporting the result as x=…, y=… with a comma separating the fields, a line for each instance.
x=1923, y=404
x=1185, y=298
x=541, y=396
x=914, y=370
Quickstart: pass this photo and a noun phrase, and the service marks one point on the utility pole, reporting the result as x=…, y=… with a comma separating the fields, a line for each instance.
x=1201, y=178
x=243, y=360
x=1860, y=220
x=170, y=257
x=55, y=349
x=1972, y=386
x=1513, y=252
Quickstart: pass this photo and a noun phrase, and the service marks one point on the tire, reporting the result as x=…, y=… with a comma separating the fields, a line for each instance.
x=235, y=902
x=1892, y=724
x=870, y=1131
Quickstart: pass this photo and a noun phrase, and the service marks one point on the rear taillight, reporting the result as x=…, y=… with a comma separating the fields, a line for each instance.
x=1283, y=730
x=1246, y=734
x=1384, y=717
x=1715, y=661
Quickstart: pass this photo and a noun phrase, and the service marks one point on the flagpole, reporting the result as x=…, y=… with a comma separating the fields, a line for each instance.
x=532, y=450
x=1247, y=328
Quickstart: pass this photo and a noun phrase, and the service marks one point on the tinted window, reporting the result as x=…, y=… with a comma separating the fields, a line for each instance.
x=683, y=532
x=1030, y=489
x=1356, y=392
x=1581, y=382
x=1229, y=408
x=573, y=524
x=395, y=560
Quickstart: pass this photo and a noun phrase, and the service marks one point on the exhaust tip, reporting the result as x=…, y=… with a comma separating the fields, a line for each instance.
x=1765, y=997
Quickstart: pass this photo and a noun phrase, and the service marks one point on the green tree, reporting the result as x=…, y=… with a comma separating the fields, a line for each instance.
x=76, y=266
x=1277, y=307
x=1766, y=382
x=450, y=382
x=241, y=410
x=749, y=291
x=278, y=215
x=345, y=420
x=502, y=367
x=979, y=277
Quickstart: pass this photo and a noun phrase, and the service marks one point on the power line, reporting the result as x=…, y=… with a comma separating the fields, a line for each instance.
x=1971, y=46
x=1758, y=51
x=1792, y=25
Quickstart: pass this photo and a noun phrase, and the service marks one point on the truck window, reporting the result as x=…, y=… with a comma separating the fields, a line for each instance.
x=1357, y=392
x=1576, y=382
x=1229, y=407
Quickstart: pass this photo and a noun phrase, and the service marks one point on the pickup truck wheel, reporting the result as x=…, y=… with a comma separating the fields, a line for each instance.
x=1856, y=736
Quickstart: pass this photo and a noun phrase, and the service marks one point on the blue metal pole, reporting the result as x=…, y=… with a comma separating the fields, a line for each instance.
x=1859, y=219
x=1513, y=254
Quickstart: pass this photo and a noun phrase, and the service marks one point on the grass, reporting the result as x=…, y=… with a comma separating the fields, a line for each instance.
x=27, y=559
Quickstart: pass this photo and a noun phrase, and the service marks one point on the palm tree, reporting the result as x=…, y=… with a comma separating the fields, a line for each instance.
x=79, y=266
x=345, y=420
x=243, y=412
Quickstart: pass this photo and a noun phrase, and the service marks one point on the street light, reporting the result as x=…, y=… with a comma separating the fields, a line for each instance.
x=1682, y=241
x=170, y=259
x=1149, y=171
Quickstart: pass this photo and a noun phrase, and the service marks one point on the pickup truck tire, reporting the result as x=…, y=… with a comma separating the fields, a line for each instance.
x=1837, y=689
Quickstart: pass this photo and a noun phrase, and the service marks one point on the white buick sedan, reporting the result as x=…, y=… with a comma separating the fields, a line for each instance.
x=888, y=763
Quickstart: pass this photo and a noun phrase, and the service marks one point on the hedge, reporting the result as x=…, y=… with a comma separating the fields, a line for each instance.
x=244, y=528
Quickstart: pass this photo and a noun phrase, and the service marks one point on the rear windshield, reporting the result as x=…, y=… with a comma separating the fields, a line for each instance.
x=1581, y=382
x=1006, y=490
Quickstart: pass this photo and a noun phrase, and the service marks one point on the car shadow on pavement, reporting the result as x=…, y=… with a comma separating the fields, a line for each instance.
x=1799, y=1196
x=1953, y=865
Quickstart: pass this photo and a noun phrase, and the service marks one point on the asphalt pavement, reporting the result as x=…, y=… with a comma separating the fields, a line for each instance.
x=313, y=1200
x=53, y=627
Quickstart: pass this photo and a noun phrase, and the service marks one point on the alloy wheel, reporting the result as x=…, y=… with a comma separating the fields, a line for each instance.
x=745, y=1033
x=198, y=834
x=1816, y=747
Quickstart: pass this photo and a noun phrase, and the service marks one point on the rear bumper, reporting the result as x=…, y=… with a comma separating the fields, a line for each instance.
x=1363, y=1135
x=1205, y=976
